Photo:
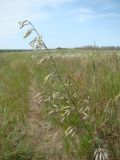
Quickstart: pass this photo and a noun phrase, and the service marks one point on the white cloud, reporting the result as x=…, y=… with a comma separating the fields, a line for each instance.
x=86, y=14
x=13, y=11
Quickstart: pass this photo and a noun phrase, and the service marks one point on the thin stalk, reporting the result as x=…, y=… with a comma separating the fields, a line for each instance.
x=56, y=68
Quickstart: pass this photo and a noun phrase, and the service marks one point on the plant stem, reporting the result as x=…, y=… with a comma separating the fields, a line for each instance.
x=57, y=71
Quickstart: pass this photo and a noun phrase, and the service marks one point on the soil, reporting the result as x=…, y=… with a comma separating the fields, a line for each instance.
x=45, y=137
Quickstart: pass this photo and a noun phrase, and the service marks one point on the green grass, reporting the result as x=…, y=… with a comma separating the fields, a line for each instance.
x=93, y=81
x=14, y=106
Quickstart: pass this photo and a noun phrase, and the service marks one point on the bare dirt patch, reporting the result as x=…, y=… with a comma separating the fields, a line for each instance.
x=45, y=137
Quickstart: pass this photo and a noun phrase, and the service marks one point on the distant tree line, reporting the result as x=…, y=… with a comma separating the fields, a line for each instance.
x=61, y=48
x=15, y=50
x=93, y=47
x=98, y=47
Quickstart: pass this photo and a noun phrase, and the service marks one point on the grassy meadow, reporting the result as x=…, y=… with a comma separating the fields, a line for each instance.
x=82, y=114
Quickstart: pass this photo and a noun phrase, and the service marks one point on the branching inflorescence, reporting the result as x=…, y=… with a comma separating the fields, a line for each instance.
x=83, y=113
x=37, y=44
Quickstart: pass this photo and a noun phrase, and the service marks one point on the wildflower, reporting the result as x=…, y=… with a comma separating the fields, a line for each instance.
x=101, y=154
x=28, y=33
x=23, y=23
x=39, y=43
x=70, y=131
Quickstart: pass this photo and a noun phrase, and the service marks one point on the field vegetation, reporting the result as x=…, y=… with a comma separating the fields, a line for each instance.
x=81, y=115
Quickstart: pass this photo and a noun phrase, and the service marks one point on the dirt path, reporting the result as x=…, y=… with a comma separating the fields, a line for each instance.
x=45, y=137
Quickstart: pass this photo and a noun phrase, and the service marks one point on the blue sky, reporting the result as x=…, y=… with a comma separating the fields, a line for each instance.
x=63, y=23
